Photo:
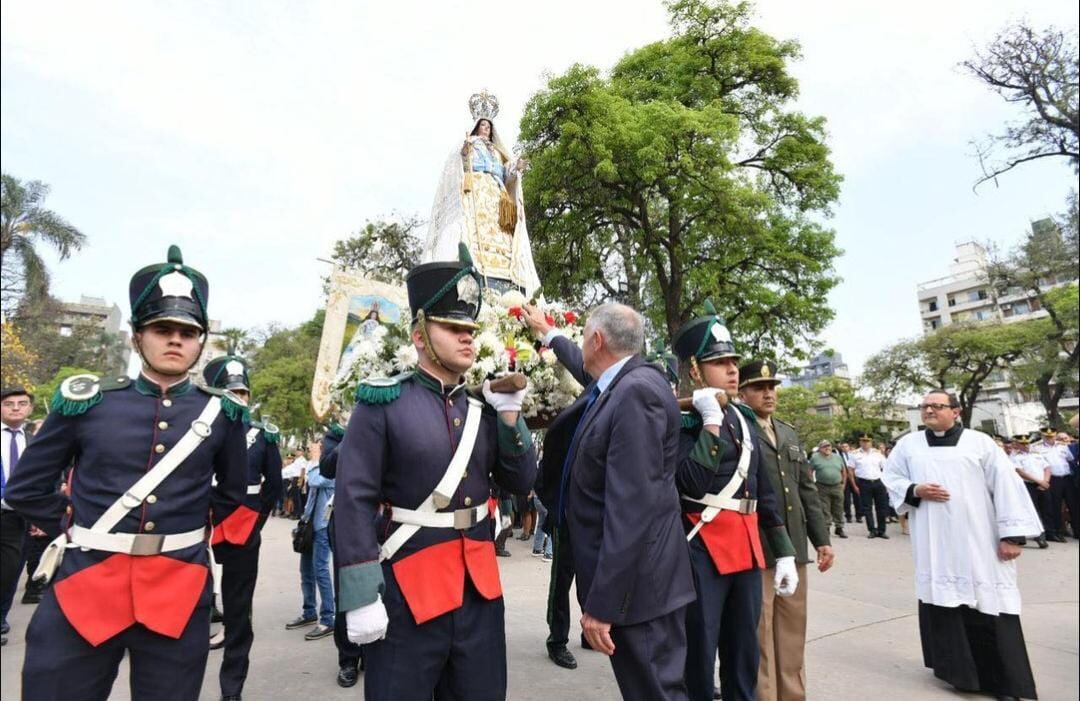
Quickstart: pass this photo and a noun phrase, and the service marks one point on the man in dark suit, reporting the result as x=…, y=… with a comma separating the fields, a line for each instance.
x=618, y=497
x=17, y=405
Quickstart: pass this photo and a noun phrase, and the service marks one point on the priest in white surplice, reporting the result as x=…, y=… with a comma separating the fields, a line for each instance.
x=969, y=516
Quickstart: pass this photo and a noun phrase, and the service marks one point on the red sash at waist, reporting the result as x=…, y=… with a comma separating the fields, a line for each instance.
x=157, y=591
x=732, y=540
x=432, y=580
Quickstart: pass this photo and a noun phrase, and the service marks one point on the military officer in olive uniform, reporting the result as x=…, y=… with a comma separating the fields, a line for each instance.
x=782, y=629
x=727, y=507
x=413, y=511
x=134, y=534
x=240, y=563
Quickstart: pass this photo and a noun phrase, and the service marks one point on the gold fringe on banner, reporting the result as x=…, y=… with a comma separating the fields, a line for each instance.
x=507, y=213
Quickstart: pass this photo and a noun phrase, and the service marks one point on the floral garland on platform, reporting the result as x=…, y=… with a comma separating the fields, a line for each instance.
x=503, y=344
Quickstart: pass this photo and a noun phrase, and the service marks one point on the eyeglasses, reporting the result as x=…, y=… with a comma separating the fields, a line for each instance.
x=20, y=404
x=936, y=406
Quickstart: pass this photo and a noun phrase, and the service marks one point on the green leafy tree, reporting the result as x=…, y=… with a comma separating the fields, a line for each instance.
x=88, y=346
x=961, y=357
x=384, y=250
x=24, y=224
x=684, y=174
x=1040, y=71
x=1048, y=255
x=16, y=360
x=797, y=406
x=281, y=376
x=234, y=341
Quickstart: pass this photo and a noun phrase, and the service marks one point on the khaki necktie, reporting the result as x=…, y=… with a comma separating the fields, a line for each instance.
x=769, y=433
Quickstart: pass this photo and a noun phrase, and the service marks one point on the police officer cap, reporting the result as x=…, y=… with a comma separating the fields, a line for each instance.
x=1022, y=439
x=446, y=291
x=758, y=372
x=704, y=338
x=169, y=291
x=227, y=372
x=1048, y=432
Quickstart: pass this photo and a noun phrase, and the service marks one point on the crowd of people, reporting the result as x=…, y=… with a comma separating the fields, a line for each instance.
x=687, y=527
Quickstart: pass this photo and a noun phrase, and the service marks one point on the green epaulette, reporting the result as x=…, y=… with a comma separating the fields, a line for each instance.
x=336, y=430
x=270, y=432
x=235, y=408
x=79, y=393
x=380, y=390
x=691, y=420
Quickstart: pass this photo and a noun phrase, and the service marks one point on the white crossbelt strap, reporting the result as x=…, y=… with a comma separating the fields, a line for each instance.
x=715, y=503
x=252, y=434
x=254, y=488
x=446, y=486
x=137, y=493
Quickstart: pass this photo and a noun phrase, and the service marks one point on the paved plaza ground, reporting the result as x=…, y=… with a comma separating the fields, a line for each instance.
x=863, y=633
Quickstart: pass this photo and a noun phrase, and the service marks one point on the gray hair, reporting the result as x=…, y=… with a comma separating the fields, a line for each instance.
x=623, y=328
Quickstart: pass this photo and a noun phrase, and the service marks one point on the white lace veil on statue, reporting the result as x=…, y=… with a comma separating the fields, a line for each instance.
x=446, y=227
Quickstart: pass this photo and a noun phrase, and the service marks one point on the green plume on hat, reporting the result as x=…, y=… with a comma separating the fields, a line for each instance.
x=463, y=255
x=710, y=310
x=175, y=257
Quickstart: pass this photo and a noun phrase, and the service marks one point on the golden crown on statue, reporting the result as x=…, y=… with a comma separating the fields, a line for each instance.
x=483, y=105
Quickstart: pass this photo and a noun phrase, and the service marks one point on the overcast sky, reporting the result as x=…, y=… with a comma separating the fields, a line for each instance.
x=255, y=134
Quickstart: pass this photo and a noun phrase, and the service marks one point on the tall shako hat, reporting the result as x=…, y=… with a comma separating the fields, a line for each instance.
x=758, y=372
x=169, y=291
x=704, y=338
x=446, y=291
x=666, y=361
x=227, y=372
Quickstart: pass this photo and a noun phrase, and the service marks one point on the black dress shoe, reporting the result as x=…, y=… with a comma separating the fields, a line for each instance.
x=884, y=535
x=562, y=657
x=871, y=535
x=347, y=676
x=1041, y=542
x=502, y=553
x=840, y=533
x=1058, y=538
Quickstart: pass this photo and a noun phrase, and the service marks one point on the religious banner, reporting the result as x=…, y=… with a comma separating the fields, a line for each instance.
x=360, y=313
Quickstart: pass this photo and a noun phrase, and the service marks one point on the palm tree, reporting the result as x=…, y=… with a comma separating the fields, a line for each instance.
x=24, y=222
x=233, y=341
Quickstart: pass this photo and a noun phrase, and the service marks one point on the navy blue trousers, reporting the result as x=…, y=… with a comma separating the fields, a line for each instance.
x=240, y=569
x=724, y=620
x=60, y=665
x=459, y=656
x=650, y=658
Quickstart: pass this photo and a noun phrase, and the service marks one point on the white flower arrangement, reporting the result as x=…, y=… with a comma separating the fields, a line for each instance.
x=503, y=344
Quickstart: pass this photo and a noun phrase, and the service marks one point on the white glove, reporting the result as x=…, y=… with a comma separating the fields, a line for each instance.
x=786, y=580
x=503, y=402
x=367, y=623
x=706, y=403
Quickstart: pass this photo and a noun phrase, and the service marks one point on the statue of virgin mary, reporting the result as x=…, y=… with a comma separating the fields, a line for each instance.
x=479, y=203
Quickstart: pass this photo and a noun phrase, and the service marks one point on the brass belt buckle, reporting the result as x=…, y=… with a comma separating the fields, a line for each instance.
x=147, y=544
x=464, y=519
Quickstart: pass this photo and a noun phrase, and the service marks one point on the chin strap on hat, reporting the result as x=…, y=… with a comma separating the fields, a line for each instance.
x=429, y=349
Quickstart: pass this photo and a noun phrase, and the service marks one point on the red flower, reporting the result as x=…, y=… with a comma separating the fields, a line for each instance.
x=549, y=319
x=570, y=317
x=512, y=353
x=515, y=312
